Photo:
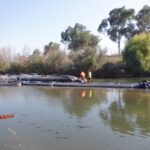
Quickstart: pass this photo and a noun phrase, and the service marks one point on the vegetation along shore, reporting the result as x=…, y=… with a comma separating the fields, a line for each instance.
x=84, y=51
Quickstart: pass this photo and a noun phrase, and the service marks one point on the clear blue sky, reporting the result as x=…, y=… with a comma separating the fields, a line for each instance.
x=37, y=22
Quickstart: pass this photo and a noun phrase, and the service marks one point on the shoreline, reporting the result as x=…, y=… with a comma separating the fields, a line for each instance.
x=86, y=85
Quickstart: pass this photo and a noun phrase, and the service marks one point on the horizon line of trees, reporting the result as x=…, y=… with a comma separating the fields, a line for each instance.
x=84, y=52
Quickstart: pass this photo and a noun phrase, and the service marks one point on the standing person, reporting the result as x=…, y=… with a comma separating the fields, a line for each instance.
x=89, y=75
x=82, y=75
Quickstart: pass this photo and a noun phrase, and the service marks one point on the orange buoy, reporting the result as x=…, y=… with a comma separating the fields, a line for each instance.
x=6, y=116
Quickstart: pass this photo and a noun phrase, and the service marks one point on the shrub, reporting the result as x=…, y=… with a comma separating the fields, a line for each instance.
x=136, y=54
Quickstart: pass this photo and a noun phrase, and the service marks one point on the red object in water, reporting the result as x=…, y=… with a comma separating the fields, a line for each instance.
x=6, y=116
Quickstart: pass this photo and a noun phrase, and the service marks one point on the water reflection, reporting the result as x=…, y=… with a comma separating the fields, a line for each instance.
x=85, y=92
x=124, y=110
x=77, y=101
x=129, y=113
x=74, y=118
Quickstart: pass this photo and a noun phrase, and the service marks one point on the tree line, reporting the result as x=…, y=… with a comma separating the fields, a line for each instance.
x=84, y=53
x=124, y=22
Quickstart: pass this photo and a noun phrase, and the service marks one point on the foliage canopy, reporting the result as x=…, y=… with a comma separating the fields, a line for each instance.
x=137, y=53
x=118, y=24
x=78, y=38
x=143, y=19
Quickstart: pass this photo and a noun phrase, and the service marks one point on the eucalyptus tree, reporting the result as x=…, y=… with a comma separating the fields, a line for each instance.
x=118, y=24
x=78, y=37
x=143, y=19
x=83, y=46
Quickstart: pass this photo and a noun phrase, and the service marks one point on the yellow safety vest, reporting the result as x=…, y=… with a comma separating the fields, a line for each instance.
x=89, y=75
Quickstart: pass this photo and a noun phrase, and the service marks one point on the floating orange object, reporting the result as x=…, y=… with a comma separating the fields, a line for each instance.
x=6, y=116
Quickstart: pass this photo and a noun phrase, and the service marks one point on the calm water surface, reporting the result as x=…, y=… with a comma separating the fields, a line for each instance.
x=74, y=118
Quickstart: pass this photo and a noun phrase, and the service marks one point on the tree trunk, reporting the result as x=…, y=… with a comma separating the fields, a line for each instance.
x=119, y=48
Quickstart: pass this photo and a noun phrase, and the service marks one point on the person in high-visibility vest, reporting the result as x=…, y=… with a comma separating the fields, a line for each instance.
x=82, y=75
x=89, y=75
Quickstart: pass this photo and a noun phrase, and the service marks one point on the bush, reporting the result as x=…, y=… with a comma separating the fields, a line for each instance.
x=110, y=69
x=136, y=54
x=16, y=68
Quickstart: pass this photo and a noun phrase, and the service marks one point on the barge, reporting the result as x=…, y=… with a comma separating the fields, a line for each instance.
x=67, y=81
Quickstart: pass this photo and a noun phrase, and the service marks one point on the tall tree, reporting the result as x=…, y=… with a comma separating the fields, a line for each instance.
x=52, y=46
x=118, y=24
x=77, y=38
x=143, y=19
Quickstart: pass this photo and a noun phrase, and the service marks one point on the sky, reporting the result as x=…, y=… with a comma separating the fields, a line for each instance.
x=34, y=23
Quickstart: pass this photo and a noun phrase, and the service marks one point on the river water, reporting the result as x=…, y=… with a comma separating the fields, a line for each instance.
x=49, y=118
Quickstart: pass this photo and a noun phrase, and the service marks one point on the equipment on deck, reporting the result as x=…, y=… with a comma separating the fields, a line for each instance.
x=144, y=84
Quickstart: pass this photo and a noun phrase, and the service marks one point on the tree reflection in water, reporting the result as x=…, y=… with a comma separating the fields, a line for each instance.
x=124, y=110
x=129, y=113
x=76, y=101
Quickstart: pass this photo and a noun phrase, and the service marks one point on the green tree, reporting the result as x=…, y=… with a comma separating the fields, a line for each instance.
x=78, y=38
x=52, y=46
x=36, y=56
x=136, y=54
x=36, y=62
x=143, y=19
x=23, y=60
x=56, y=60
x=118, y=24
x=3, y=64
x=83, y=47
x=16, y=67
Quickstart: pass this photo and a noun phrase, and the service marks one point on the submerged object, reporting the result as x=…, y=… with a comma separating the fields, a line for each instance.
x=6, y=116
